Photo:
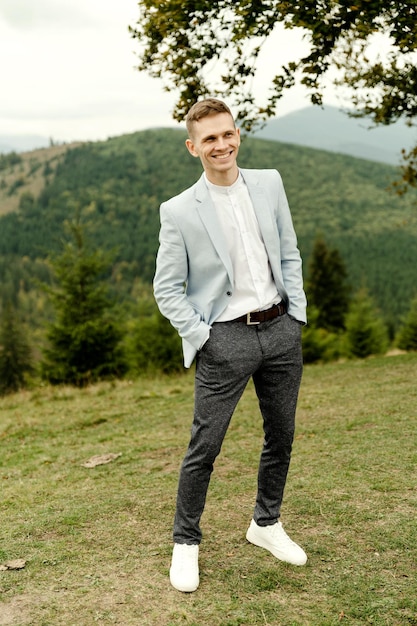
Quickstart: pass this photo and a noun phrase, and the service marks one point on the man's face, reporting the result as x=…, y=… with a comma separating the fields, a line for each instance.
x=216, y=140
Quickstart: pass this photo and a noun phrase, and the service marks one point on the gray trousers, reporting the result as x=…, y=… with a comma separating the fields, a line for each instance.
x=271, y=354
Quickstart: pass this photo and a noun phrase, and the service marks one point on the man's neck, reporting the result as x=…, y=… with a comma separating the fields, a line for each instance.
x=223, y=179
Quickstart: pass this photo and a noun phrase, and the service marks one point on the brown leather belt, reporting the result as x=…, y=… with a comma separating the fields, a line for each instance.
x=256, y=317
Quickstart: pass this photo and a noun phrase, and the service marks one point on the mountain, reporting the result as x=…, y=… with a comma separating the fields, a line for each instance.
x=325, y=128
x=22, y=143
x=331, y=129
x=116, y=186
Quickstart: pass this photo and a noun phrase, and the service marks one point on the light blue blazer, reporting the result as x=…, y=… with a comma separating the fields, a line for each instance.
x=194, y=273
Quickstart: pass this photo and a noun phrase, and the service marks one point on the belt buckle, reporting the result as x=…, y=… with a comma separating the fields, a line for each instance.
x=249, y=321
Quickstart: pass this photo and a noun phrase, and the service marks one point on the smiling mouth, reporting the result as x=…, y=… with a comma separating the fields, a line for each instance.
x=223, y=156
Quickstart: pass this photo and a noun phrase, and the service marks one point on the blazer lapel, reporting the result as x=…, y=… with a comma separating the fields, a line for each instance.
x=208, y=215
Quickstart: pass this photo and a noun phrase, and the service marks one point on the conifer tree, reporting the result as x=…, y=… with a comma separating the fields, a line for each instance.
x=407, y=335
x=155, y=346
x=84, y=340
x=16, y=359
x=366, y=332
x=326, y=286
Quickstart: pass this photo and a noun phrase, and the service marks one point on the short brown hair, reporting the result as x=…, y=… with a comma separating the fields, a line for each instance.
x=203, y=108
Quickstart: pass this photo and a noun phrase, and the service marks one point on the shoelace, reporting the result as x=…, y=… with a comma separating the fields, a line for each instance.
x=187, y=556
x=278, y=533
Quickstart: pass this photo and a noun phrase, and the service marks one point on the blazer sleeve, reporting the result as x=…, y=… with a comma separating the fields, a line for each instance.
x=170, y=279
x=291, y=262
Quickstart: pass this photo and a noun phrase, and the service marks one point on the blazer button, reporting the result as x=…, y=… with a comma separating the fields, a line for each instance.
x=229, y=293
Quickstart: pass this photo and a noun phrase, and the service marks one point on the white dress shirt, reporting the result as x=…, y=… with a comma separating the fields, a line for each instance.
x=254, y=287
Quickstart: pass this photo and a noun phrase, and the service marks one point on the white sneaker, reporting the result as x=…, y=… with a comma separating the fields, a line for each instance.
x=184, y=574
x=275, y=539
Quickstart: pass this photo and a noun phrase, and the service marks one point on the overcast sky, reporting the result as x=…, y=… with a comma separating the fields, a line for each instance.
x=68, y=71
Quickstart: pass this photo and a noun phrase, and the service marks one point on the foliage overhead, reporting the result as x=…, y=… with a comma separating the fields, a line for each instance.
x=182, y=42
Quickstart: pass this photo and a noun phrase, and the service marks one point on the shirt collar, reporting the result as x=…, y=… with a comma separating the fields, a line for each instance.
x=224, y=189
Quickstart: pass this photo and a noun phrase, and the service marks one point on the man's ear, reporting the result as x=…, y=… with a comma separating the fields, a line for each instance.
x=190, y=147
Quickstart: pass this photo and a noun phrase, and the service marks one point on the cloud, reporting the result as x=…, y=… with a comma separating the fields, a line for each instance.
x=69, y=71
x=29, y=14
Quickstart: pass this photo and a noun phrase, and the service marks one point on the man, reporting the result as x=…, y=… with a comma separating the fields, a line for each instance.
x=228, y=277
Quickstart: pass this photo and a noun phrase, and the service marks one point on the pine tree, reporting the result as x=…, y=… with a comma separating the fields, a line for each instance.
x=155, y=346
x=326, y=287
x=407, y=335
x=366, y=332
x=84, y=340
x=15, y=353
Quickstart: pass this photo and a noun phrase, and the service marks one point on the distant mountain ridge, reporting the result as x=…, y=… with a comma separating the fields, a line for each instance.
x=118, y=185
x=22, y=143
x=331, y=129
x=326, y=128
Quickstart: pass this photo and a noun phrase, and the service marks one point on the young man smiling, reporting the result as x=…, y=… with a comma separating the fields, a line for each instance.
x=228, y=277
x=216, y=146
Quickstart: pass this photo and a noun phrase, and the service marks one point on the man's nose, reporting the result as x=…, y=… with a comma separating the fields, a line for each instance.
x=221, y=143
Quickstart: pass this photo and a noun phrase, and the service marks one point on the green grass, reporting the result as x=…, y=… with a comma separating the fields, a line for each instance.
x=97, y=542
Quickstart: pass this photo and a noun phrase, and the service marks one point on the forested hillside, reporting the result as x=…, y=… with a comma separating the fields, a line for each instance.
x=117, y=185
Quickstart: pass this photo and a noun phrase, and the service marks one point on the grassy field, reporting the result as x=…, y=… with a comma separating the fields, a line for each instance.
x=97, y=541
